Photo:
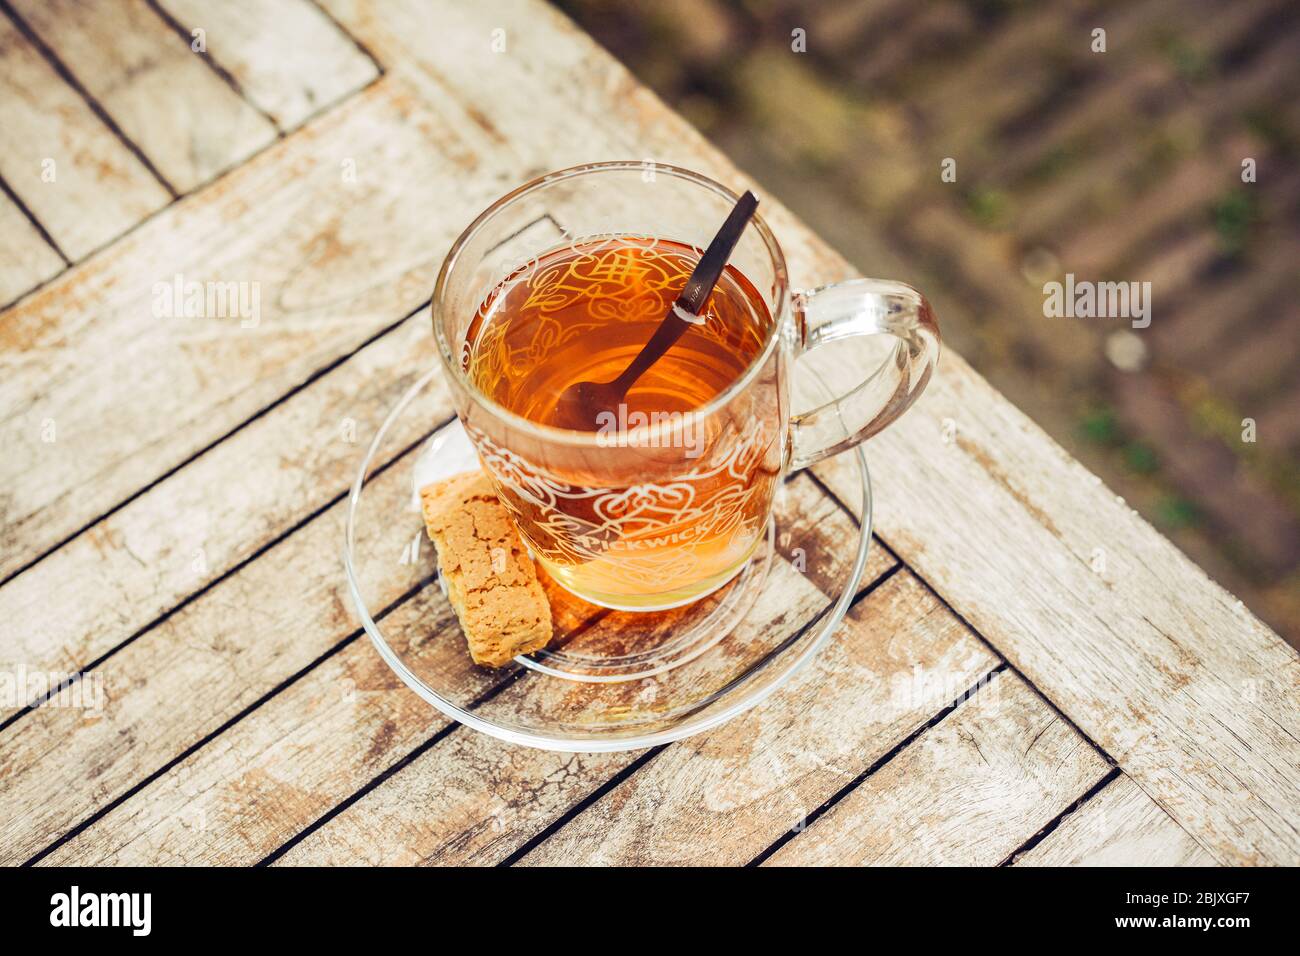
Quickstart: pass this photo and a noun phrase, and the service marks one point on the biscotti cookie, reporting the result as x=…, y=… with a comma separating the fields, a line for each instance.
x=491, y=581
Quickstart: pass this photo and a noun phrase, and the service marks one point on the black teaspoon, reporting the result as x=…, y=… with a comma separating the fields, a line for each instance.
x=580, y=404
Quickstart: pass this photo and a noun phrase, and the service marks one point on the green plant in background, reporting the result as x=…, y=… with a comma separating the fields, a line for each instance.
x=1161, y=154
x=1191, y=62
x=1176, y=512
x=1273, y=130
x=1053, y=163
x=1141, y=458
x=1211, y=416
x=1100, y=426
x=1235, y=214
x=991, y=208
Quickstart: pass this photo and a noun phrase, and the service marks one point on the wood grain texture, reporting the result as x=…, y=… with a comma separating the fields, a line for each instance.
x=189, y=123
x=1162, y=668
x=1114, y=649
x=81, y=182
x=170, y=688
x=26, y=259
x=1195, y=697
x=471, y=799
x=1119, y=826
x=288, y=57
x=325, y=737
x=271, y=775
x=106, y=584
x=725, y=796
x=967, y=792
x=135, y=393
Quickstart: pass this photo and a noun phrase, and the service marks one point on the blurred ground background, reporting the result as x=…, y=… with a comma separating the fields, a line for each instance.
x=1122, y=166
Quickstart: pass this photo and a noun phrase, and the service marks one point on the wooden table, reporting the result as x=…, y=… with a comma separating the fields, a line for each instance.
x=173, y=504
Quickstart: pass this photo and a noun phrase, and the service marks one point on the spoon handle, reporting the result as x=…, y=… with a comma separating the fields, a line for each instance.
x=703, y=278
x=709, y=269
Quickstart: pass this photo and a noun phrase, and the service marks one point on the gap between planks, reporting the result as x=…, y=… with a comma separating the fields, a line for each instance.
x=282, y=115
x=137, y=787
x=1093, y=791
x=260, y=413
x=356, y=40
x=880, y=762
x=614, y=781
x=96, y=107
x=44, y=234
x=229, y=572
x=222, y=73
x=282, y=134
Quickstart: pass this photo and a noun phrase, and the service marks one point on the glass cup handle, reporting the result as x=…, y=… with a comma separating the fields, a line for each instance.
x=862, y=307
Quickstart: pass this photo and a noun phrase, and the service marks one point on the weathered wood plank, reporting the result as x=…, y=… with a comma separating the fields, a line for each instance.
x=316, y=263
x=1195, y=698
x=325, y=737
x=167, y=690
x=80, y=181
x=185, y=119
x=1095, y=648
x=106, y=584
x=468, y=801
x=472, y=60
x=26, y=259
x=1119, y=826
x=271, y=775
x=725, y=796
x=968, y=791
x=288, y=57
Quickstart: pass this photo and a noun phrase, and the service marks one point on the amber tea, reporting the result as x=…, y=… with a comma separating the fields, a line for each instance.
x=694, y=490
x=583, y=313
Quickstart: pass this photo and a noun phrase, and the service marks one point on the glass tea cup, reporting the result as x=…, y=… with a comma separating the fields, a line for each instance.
x=652, y=512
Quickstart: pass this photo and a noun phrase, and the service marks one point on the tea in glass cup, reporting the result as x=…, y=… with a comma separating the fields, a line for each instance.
x=630, y=519
x=664, y=499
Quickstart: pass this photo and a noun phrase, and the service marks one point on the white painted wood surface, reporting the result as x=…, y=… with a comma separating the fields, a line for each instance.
x=288, y=57
x=1120, y=826
x=82, y=183
x=130, y=568
x=185, y=119
x=26, y=259
x=1000, y=765
x=319, y=264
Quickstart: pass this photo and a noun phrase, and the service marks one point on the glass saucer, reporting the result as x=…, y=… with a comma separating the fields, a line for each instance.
x=609, y=680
